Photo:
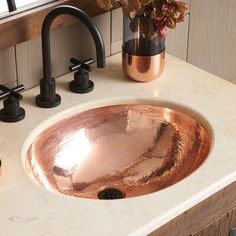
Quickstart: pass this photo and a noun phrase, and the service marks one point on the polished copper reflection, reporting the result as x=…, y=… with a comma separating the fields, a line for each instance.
x=143, y=68
x=137, y=149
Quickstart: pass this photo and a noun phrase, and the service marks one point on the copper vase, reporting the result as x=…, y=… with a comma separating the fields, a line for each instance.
x=143, y=68
x=143, y=52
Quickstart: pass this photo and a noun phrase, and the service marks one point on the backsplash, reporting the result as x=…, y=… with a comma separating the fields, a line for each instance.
x=8, y=74
x=22, y=64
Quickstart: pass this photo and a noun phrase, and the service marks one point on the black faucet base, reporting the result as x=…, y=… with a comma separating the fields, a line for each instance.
x=48, y=97
x=48, y=104
x=77, y=89
x=12, y=118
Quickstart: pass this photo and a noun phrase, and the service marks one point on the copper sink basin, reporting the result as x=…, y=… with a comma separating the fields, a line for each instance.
x=117, y=151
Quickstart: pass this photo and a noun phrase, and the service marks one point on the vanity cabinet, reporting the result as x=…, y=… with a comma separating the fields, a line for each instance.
x=215, y=216
x=220, y=226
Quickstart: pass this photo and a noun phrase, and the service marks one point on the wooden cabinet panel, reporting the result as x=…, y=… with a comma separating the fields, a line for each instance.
x=202, y=215
x=212, y=37
x=219, y=227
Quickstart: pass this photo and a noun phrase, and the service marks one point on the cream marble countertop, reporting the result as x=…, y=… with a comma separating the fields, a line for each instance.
x=27, y=209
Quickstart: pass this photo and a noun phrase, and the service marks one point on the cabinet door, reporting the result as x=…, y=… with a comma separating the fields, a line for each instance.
x=219, y=227
x=212, y=37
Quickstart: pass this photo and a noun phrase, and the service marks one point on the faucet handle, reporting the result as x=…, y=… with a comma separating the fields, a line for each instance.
x=81, y=82
x=11, y=112
x=13, y=92
x=76, y=65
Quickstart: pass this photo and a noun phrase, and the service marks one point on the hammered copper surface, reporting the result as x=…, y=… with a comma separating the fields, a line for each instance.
x=137, y=149
x=143, y=68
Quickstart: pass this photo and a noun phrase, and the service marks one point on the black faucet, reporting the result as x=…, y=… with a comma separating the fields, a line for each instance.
x=48, y=97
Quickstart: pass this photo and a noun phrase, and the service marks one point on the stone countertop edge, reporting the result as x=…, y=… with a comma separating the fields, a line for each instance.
x=28, y=209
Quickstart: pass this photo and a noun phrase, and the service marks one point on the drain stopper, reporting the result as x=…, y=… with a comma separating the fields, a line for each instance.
x=110, y=194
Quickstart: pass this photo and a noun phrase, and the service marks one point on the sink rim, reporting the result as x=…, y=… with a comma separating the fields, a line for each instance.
x=106, y=103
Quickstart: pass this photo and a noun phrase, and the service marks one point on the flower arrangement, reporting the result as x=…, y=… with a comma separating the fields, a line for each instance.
x=144, y=31
x=162, y=14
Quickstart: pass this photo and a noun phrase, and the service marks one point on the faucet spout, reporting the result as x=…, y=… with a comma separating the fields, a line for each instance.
x=48, y=97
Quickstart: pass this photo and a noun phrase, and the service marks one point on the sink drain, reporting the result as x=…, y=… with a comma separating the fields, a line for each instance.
x=110, y=193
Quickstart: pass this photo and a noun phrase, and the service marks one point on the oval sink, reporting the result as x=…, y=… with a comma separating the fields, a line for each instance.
x=117, y=151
